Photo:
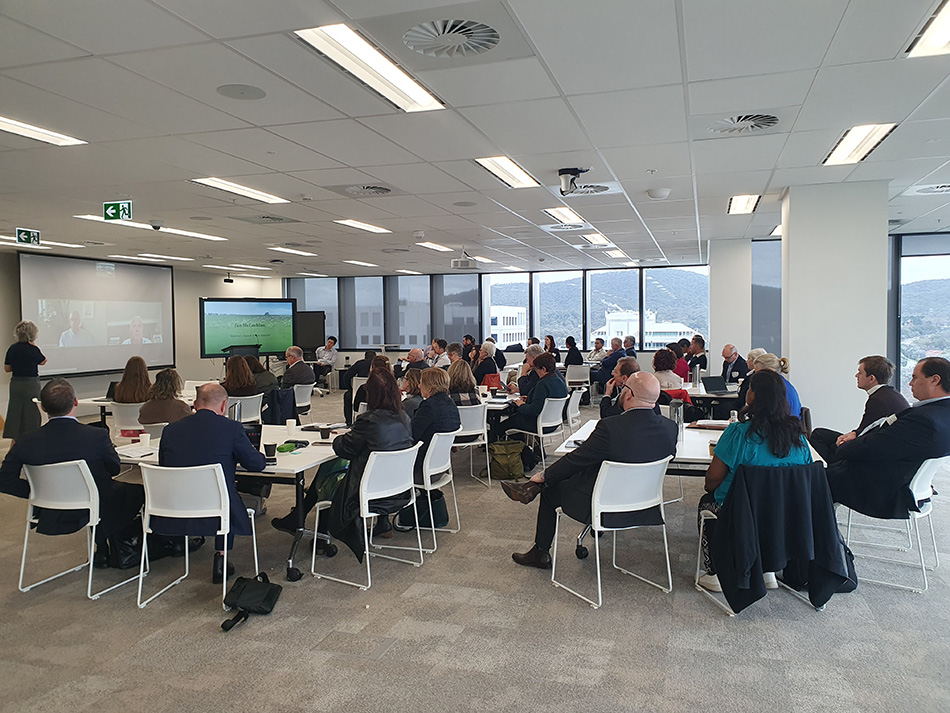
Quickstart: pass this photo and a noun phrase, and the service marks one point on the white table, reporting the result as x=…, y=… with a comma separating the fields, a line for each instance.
x=499, y=403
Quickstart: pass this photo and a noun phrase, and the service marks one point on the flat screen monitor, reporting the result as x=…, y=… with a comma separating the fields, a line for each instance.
x=227, y=322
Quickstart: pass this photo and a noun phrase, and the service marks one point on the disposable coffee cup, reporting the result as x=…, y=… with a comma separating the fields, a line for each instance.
x=270, y=450
x=291, y=428
x=324, y=432
x=145, y=439
x=493, y=391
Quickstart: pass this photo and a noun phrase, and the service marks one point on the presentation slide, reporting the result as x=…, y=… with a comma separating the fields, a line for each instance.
x=95, y=314
x=235, y=322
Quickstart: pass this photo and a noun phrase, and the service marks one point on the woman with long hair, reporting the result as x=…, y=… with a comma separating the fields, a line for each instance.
x=238, y=379
x=164, y=406
x=410, y=386
x=379, y=363
x=550, y=346
x=263, y=377
x=682, y=366
x=135, y=386
x=462, y=387
x=767, y=434
x=573, y=355
x=22, y=361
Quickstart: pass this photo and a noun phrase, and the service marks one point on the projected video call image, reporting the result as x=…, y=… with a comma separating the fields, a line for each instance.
x=74, y=323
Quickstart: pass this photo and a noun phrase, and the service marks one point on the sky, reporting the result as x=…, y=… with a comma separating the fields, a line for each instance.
x=929, y=267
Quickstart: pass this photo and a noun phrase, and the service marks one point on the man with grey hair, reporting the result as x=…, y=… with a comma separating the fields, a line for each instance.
x=298, y=371
x=734, y=367
x=454, y=350
x=415, y=359
x=617, y=351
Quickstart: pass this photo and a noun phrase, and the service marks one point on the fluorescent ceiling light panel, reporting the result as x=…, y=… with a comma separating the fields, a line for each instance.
x=514, y=269
x=250, y=267
x=291, y=251
x=742, y=205
x=777, y=232
x=361, y=263
x=254, y=274
x=167, y=257
x=36, y=132
x=595, y=239
x=616, y=253
x=11, y=242
x=508, y=172
x=479, y=258
x=435, y=246
x=223, y=267
x=362, y=226
x=409, y=272
x=935, y=38
x=562, y=214
x=631, y=263
x=240, y=190
x=145, y=226
x=857, y=143
x=136, y=257
x=45, y=242
x=311, y=274
x=358, y=57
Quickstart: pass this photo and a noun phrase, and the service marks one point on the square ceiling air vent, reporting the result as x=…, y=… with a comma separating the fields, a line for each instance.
x=266, y=219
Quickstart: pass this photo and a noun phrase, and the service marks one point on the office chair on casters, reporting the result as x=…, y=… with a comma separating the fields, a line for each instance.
x=64, y=486
x=626, y=496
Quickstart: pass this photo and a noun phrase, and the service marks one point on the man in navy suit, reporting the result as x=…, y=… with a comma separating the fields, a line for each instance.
x=207, y=436
x=871, y=473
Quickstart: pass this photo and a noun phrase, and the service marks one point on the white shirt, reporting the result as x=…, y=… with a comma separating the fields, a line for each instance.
x=69, y=338
x=874, y=388
x=327, y=357
x=669, y=380
x=439, y=360
x=596, y=355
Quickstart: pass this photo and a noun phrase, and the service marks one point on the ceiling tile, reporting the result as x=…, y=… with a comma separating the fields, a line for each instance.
x=346, y=141
x=807, y=148
x=538, y=126
x=233, y=18
x=433, y=135
x=784, y=177
x=264, y=148
x=24, y=45
x=498, y=82
x=914, y=139
x=636, y=161
x=877, y=29
x=650, y=116
x=197, y=160
x=406, y=206
x=740, y=95
x=745, y=153
x=416, y=178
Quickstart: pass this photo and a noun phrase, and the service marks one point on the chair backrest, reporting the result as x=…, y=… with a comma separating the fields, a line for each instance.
x=250, y=407
x=302, y=394
x=920, y=484
x=574, y=403
x=806, y=420
x=155, y=430
x=387, y=473
x=474, y=419
x=361, y=409
x=438, y=458
x=196, y=491
x=577, y=374
x=626, y=487
x=355, y=383
x=551, y=412
x=64, y=486
x=127, y=416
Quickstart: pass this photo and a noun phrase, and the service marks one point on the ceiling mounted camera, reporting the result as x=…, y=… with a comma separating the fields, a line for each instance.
x=157, y=224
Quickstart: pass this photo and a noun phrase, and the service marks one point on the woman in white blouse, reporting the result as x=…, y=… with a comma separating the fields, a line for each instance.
x=664, y=362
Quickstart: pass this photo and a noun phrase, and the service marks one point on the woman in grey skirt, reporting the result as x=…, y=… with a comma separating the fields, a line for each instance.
x=22, y=361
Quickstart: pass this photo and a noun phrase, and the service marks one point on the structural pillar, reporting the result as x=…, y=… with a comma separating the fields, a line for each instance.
x=730, y=299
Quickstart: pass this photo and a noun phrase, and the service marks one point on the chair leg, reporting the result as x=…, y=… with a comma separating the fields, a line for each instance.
x=435, y=544
x=669, y=575
x=144, y=568
x=87, y=563
x=318, y=575
x=90, y=544
x=699, y=564
x=257, y=566
x=560, y=585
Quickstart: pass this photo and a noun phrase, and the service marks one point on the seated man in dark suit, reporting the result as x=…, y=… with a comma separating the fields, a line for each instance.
x=636, y=436
x=611, y=405
x=874, y=376
x=734, y=367
x=871, y=473
x=298, y=371
x=528, y=408
x=607, y=365
x=207, y=436
x=415, y=359
x=62, y=439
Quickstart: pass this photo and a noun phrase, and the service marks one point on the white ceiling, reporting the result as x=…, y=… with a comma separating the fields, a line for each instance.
x=627, y=88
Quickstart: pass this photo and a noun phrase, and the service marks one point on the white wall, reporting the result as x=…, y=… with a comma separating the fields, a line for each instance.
x=730, y=299
x=834, y=293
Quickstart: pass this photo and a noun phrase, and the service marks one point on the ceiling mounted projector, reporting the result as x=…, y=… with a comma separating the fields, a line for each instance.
x=464, y=263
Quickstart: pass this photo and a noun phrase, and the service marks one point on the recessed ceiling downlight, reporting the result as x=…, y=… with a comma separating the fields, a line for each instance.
x=743, y=124
x=451, y=38
x=241, y=91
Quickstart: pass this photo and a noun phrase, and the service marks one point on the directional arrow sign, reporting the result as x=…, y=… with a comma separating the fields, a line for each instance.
x=25, y=235
x=117, y=210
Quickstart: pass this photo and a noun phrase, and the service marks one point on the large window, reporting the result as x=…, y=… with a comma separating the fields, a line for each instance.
x=455, y=307
x=613, y=305
x=767, y=296
x=362, y=311
x=407, y=311
x=559, y=305
x=315, y=294
x=505, y=308
x=925, y=294
x=676, y=305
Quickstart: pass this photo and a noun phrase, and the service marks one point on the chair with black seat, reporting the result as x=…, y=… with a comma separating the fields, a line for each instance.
x=626, y=496
x=64, y=486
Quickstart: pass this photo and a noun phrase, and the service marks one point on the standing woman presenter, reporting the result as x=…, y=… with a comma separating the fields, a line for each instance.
x=22, y=361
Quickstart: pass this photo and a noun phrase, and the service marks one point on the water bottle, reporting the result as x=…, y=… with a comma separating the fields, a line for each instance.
x=676, y=413
x=733, y=417
x=696, y=376
x=347, y=363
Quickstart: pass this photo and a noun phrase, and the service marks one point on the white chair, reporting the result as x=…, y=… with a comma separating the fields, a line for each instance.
x=437, y=473
x=155, y=430
x=126, y=417
x=920, y=486
x=622, y=488
x=574, y=408
x=387, y=473
x=577, y=375
x=192, y=386
x=302, y=395
x=250, y=407
x=355, y=383
x=550, y=417
x=64, y=486
x=475, y=423
x=196, y=491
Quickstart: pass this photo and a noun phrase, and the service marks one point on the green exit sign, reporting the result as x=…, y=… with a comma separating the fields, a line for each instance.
x=117, y=210
x=25, y=235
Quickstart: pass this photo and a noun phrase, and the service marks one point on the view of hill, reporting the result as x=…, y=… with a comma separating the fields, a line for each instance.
x=925, y=319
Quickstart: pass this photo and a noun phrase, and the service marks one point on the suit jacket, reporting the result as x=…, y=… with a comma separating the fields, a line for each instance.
x=574, y=357
x=65, y=439
x=359, y=368
x=740, y=370
x=300, y=373
x=436, y=414
x=608, y=364
x=500, y=359
x=872, y=472
x=201, y=439
x=885, y=401
x=399, y=370
x=635, y=436
x=484, y=367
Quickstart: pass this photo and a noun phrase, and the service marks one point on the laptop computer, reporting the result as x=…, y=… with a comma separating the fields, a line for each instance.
x=715, y=385
x=110, y=392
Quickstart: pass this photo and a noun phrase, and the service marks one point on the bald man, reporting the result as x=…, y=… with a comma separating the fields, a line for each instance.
x=207, y=436
x=638, y=435
x=734, y=367
x=416, y=359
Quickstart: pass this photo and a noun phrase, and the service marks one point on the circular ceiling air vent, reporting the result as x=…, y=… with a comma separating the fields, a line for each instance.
x=368, y=190
x=451, y=38
x=566, y=226
x=743, y=124
x=589, y=189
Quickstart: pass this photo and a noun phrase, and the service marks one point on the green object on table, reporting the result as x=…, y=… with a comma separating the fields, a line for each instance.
x=286, y=447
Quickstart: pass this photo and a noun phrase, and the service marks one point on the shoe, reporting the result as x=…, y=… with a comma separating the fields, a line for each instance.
x=100, y=559
x=535, y=557
x=287, y=523
x=383, y=528
x=770, y=581
x=710, y=582
x=217, y=569
x=521, y=492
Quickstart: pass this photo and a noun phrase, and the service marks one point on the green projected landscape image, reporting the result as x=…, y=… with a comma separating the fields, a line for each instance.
x=269, y=324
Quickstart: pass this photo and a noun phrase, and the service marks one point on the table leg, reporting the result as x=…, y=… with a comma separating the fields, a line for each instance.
x=102, y=416
x=293, y=573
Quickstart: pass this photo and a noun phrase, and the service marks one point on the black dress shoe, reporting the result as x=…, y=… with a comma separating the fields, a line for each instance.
x=217, y=569
x=287, y=523
x=100, y=559
x=535, y=557
x=521, y=492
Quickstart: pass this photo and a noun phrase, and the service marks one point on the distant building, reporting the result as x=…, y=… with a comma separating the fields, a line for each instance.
x=655, y=334
x=509, y=325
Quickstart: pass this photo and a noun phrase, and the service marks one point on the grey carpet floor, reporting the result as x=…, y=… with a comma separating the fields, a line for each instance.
x=469, y=630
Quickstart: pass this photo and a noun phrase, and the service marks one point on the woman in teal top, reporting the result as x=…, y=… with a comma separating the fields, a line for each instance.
x=767, y=435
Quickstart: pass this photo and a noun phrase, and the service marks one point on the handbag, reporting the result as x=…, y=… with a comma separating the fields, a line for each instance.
x=250, y=595
x=406, y=519
x=505, y=459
